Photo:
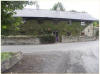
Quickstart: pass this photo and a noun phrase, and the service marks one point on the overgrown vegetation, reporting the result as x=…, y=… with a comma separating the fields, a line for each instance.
x=96, y=24
x=47, y=38
x=6, y=55
x=8, y=22
x=58, y=6
x=34, y=27
x=14, y=26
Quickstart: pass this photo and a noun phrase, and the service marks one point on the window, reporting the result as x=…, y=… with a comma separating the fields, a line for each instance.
x=55, y=21
x=69, y=22
x=82, y=23
x=68, y=33
x=40, y=21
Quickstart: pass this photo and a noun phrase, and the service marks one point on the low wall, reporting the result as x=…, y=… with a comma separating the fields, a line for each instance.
x=7, y=64
x=34, y=40
x=19, y=40
x=66, y=39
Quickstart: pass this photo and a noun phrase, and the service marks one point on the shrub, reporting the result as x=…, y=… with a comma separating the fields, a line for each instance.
x=47, y=39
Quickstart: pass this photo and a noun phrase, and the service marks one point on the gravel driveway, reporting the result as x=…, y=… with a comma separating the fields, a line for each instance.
x=80, y=57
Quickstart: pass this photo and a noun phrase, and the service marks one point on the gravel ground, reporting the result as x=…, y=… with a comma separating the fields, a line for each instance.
x=80, y=57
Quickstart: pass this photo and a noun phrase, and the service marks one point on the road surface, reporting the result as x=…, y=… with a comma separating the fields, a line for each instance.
x=78, y=57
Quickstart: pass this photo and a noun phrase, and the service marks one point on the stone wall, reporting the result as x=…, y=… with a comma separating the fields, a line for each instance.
x=31, y=40
x=89, y=30
x=8, y=63
x=66, y=39
x=19, y=40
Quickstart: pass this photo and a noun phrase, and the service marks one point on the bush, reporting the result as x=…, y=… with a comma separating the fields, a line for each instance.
x=47, y=39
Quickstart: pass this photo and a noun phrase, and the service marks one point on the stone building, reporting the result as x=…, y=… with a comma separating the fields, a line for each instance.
x=70, y=17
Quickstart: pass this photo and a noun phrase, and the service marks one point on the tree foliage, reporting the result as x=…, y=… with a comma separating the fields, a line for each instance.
x=96, y=24
x=9, y=23
x=58, y=6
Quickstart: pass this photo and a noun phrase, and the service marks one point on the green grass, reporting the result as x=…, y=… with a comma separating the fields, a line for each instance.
x=6, y=55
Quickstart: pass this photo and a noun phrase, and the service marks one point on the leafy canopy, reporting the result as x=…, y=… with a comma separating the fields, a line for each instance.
x=96, y=24
x=58, y=6
x=7, y=10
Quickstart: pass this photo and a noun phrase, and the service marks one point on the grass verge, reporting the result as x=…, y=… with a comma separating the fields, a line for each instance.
x=6, y=55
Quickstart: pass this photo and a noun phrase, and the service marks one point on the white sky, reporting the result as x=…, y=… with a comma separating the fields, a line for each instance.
x=90, y=6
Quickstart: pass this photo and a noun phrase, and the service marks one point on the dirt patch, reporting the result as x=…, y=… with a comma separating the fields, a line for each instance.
x=39, y=63
x=29, y=64
x=49, y=62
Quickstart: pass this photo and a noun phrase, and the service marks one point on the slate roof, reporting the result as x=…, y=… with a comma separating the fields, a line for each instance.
x=54, y=14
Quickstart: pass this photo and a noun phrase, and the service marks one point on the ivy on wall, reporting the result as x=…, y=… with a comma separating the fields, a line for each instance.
x=34, y=27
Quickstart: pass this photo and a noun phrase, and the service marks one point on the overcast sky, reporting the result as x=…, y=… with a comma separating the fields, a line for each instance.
x=90, y=6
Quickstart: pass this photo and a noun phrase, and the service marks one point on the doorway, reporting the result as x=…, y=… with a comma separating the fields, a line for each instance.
x=56, y=34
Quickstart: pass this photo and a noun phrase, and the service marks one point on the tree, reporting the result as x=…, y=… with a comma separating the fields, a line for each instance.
x=36, y=4
x=96, y=24
x=58, y=6
x=8, y=22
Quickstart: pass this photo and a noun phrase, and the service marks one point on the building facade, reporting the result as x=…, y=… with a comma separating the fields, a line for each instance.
x=55, y=17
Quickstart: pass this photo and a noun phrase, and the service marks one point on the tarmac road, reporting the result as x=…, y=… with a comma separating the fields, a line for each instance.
x=78, y=57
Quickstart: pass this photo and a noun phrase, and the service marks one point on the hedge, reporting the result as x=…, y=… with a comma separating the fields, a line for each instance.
x=47, y=39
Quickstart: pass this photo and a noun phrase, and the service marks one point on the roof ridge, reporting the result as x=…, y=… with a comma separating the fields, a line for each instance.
x=54, y=10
